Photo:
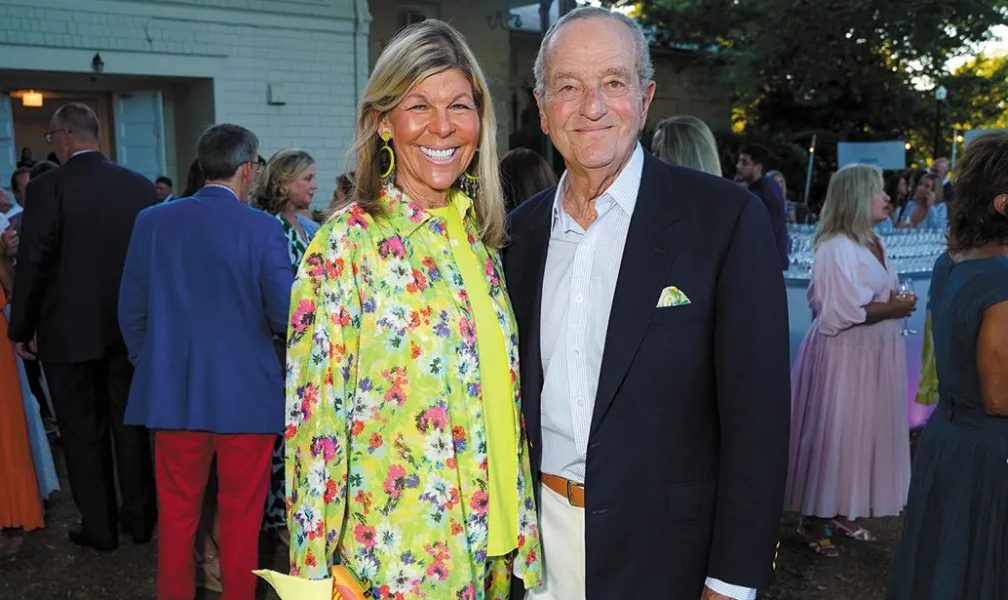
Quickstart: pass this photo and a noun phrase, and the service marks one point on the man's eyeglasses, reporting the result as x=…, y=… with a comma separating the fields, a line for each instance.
x=49, y=134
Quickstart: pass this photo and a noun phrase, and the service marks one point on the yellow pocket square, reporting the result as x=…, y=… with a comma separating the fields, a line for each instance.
x=672, y=296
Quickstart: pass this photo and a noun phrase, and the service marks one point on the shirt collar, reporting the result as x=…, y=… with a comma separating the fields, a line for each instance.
x=406, y=215
x=79, y=152
x=623, y=190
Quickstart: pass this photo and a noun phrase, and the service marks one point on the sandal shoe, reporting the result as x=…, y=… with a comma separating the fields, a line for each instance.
x=822, y=546
x=852, y=530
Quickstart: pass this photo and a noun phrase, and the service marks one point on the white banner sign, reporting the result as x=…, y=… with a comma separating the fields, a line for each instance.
x=973, y=134
x=884, y=155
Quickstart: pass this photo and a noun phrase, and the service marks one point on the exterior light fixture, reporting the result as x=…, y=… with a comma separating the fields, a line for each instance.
x=31, y=98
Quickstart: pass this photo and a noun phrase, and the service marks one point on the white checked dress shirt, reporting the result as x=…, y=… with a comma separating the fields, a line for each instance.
x=582, y=266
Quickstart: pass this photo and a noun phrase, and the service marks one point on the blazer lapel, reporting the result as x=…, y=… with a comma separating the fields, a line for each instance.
x=650, y=250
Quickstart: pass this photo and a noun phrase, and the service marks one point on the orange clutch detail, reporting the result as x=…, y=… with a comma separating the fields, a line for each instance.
x=345, y=585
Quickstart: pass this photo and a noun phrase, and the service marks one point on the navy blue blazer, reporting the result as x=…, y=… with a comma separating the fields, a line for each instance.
x=205, y=287
x=688, y=443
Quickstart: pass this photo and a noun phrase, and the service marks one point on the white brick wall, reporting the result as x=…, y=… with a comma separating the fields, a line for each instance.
x=316, y=48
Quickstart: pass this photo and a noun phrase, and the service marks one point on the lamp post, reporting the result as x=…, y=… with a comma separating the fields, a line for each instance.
x=940, y=95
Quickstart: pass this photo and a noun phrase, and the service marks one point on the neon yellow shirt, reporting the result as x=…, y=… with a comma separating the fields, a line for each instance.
x=497, y=387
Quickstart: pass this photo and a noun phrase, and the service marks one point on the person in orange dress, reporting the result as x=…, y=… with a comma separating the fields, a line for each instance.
x=20, y=505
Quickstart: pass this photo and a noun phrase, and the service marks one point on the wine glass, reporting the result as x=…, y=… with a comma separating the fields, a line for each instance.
x=906, y=289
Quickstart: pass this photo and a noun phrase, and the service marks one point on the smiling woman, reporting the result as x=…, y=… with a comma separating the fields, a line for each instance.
x=406, y=458
x=428, y=95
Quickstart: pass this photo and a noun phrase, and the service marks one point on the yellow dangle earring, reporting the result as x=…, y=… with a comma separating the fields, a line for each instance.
x=388, y=173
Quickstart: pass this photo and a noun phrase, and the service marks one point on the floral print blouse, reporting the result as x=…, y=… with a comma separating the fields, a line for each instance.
x=386, y=447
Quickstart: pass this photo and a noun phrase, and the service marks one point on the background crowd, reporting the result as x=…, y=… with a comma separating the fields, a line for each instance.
x=394, y=441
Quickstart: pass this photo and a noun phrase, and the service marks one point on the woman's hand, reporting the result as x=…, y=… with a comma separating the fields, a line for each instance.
x=9, y=242
x=902, y=305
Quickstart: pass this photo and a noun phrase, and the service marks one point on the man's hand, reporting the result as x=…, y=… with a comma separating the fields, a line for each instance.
x=709, y=594
x=26, y=350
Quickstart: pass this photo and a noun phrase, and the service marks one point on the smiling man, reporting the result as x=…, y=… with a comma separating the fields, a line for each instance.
x=654, y=348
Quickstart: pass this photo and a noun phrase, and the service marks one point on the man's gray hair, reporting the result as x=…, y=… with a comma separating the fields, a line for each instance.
x=77, y=119
x=225, y=147
x=645, y=70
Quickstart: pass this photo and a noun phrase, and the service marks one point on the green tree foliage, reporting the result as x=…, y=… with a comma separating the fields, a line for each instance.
x=844, y=69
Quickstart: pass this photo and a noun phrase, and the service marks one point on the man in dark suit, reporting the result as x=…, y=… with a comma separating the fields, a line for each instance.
x=654, y=345
x=76, y=228
x=205, y=288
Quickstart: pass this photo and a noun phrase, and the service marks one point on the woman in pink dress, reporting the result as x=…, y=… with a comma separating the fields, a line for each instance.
x=850, y=452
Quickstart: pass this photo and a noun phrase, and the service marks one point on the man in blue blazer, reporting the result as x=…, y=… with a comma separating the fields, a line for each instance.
x=205, y=288
x=654, y=345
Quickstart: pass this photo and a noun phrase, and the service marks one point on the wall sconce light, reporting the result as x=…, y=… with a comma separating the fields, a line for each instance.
x=97, y=64
x=31, y=98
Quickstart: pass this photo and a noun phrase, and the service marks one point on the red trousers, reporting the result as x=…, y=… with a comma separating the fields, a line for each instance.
x=182, y=464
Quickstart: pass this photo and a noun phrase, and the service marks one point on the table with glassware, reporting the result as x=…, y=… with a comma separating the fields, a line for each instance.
x=912, y=252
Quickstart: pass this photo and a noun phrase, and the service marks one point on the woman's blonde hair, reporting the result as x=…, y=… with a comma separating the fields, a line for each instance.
x=847, y=210
x=283, y=167
x=687, y=141
x=414, y=54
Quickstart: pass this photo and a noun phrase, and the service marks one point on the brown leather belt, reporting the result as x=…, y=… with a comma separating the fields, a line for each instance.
x=573, y=491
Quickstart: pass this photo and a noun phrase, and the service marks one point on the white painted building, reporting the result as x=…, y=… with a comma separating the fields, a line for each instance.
x=158, y=72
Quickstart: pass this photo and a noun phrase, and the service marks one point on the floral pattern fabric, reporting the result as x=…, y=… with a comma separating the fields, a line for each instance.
x=275, y=513
x=386, y=446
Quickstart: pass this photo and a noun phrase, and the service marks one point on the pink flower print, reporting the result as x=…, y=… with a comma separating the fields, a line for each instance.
x=468, y=331
x=466, y=593
x=313, y=265
x=309, y=398
x=365, y=535
x=416, y=213
x=357, y=217
x=438, y=570
x=392, y=246
x=480, y=501
x=491, y=273
x=440, y=555
x=396, y=393
x=303, y=317
x=395, y=481
x=325, y=446
x=436, y=416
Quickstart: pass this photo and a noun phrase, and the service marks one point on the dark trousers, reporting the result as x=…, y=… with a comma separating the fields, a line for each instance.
x=90, y=400
x=33, y=370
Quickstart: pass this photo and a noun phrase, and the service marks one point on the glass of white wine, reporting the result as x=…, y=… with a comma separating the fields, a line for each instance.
x=906, y=289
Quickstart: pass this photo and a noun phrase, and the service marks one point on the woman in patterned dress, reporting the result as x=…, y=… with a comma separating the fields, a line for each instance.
x=407, y=460
x=286, y=186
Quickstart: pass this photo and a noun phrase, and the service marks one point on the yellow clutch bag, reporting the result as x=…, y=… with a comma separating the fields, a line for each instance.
x=341, y=585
